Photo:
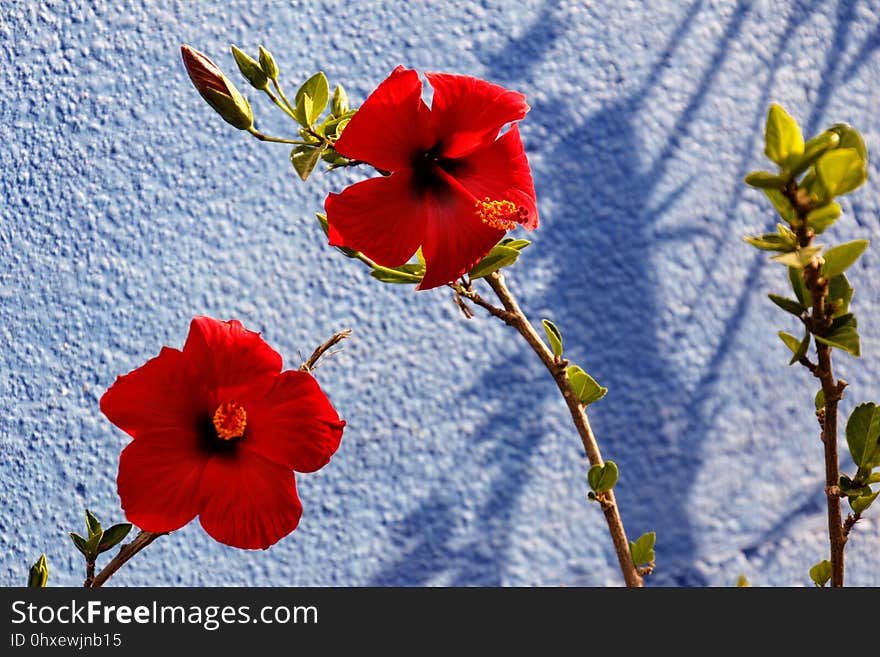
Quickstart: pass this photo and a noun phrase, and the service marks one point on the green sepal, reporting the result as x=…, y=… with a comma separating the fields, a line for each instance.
x=405, y=274
x=233, y=107
x=554, y=337
x=821, y=573
x=498, y=257
x=585, y=387
x=642, y=549
x=602, y=478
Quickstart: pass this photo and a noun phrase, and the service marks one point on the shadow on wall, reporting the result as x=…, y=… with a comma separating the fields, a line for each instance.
x=608, y=182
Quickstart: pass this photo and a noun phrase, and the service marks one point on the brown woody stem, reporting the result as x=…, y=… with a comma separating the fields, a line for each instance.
x=309, y=365
x=126, y=552
x=819, y=323
x=512, y=315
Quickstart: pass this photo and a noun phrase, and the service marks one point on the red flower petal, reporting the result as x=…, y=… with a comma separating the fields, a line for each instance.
x=233, y=363
x=248, y=501
x=157, y=395
x=468, y=113
x=158, y=479
x=391, y=126
x=501, y=172
x=379, y=217
x=295, y=425
x=455, y=238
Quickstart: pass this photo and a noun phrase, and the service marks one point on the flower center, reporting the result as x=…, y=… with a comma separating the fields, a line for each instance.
x=230, y=421
x=503, y=215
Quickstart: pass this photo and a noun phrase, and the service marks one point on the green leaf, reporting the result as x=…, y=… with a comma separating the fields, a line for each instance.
x=788, y=305
x=113, y=536
x=813, y=149
x=304, y=159
x=821, y=573
x=860, y=504
x=250, y=69
x=822, y=217
x=81, y=543
x=783, y=140
x=554, y=336
x=782, y=204
x=405, y=274
x=642, y=550
x=819, y=400
x=765, y=180
x=873, y=478
x=311, y=99
x=798, y=286
x=772, y=242
x=841, y=171
x=850, y=138
x=585, y=386
x=743, y=582
x=840, y=293
x=498, y=257
x=862, y=435
x=846, y=338
x=92, y=524
x=843, y=321
x=839, y=258
x=602, y=478
x=800, y=258
x=39, y=573
x=92, y=545
x=798, y=347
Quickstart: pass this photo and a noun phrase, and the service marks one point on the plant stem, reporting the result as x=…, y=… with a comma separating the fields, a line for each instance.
x=126, y=552
x=514, y=316
x=259, y=135
x=335, y=339
x=90, y=573
x=819, y=322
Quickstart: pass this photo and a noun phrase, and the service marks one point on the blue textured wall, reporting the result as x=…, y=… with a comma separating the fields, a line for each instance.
x=128, y=207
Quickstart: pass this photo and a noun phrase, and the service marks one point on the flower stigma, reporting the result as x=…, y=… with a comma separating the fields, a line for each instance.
x=230, y=421
x=503, y=215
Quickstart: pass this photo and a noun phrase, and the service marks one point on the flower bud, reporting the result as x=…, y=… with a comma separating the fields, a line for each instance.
x=39, y=574
x=250, y=69
x=267, y=63
x=216, y=89
x=339, y=104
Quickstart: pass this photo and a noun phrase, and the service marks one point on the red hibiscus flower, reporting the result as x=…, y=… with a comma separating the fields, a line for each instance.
x=218, y=429
x=454, y=187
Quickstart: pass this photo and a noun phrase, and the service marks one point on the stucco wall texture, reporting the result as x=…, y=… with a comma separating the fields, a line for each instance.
x=129, y=207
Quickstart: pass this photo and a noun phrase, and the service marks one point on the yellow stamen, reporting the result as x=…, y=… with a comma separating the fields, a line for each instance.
x=230, y=421
x=503, y=215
